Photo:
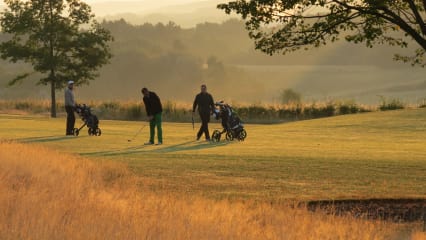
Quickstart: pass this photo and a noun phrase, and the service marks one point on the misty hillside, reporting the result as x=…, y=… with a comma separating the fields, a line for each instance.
x=186, y=15
x=175, y=61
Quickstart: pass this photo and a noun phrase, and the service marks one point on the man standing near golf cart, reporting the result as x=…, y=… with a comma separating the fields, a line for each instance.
x=69, y=108
x=154, y=111
x=205, y=103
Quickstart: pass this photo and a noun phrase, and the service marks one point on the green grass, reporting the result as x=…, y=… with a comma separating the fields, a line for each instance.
x=371, y=155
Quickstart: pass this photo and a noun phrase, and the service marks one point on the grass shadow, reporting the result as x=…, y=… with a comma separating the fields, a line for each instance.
x=125, y=151
x=186, y=146
x=45, y=139
x=116, y=152
x=191, y=146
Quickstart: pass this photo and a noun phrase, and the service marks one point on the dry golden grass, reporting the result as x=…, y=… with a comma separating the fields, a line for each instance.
x=45, y=194
x=419, y=236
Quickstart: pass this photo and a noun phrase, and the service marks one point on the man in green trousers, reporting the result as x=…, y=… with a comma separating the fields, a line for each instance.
x=154, y=111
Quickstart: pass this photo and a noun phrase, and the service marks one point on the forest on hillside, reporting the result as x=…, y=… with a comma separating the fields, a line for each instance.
x=175, y=61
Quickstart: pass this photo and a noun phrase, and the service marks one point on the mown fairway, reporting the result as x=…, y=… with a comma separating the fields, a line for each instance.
x=373, y=155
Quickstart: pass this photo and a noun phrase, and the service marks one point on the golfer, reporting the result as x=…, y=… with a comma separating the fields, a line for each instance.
x=154, y=111
x=204, y=102
x=69, y=108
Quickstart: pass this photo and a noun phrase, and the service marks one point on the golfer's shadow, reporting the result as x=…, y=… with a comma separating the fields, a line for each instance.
x=191, y=146
x=186, y=146
x=116, y=152
x=45, y=139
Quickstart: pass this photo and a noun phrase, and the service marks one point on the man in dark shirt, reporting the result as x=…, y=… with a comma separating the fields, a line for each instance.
x=205, y=104
x=154, y=111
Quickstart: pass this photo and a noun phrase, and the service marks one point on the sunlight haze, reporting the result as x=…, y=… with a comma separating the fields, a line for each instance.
x=185, y=13
x=108, y=7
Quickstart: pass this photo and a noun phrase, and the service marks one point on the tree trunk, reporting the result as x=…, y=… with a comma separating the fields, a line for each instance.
x=53, y=94
x=52, y=76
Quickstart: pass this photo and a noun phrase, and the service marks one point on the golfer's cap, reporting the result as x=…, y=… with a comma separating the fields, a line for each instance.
x=70, y=82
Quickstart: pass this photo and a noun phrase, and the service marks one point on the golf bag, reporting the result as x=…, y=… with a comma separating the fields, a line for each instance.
x=231, y=123
x=90, y=120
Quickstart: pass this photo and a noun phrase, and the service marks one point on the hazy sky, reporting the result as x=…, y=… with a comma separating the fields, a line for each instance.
x=109, y=7
x=149, y=3
x=186, y=13
x=161, y=2
x=132, y=5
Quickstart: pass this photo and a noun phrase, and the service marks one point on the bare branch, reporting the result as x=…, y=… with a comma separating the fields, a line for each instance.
x=416, y=13
x=393, y=18
x=424, y=5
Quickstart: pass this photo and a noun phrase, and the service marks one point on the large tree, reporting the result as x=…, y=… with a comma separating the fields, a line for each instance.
x=59, y=38
x=280, y=26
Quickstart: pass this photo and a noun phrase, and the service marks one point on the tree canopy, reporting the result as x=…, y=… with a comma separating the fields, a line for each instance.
x=60, y=39
x=280, y=26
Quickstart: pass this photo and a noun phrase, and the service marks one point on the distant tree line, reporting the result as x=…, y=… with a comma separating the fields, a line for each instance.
x=175, y=61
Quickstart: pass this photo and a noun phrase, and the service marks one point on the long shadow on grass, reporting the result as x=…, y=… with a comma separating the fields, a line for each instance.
x=116, y=152
x=186, y=146
x=190, y=146
x=45, y=139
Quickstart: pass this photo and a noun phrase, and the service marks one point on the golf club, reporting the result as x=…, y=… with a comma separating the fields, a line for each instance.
x=140, y=130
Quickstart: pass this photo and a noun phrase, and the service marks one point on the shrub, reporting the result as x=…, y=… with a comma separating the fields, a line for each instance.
x=423, y=104
x=348, y=108
x=329, y=110
x=289, y=96
x=23, y=105
x=133, y=112
x=319, y=111
x=391, y=104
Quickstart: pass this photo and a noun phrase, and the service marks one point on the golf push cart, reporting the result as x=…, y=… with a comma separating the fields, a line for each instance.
x=233, y=128
x=90, y=120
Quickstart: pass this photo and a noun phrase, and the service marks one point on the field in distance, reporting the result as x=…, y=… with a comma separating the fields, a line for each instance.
x=372, y=155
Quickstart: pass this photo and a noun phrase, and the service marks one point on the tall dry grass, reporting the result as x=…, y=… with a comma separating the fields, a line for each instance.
x=49, y=195
x=182, y=112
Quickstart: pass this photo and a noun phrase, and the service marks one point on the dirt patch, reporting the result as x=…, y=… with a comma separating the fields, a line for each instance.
x=396, y=210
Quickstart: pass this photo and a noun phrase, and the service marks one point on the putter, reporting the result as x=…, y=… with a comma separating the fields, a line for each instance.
x=140, y=130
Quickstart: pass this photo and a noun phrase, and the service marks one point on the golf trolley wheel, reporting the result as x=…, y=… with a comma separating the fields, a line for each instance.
x=242, y=135
x=229, y=136
x=98, y=132
x=216, y=136
x=76, y=131
x=91, y=132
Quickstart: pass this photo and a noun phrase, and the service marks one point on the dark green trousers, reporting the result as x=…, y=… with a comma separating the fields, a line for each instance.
x=156, y=122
